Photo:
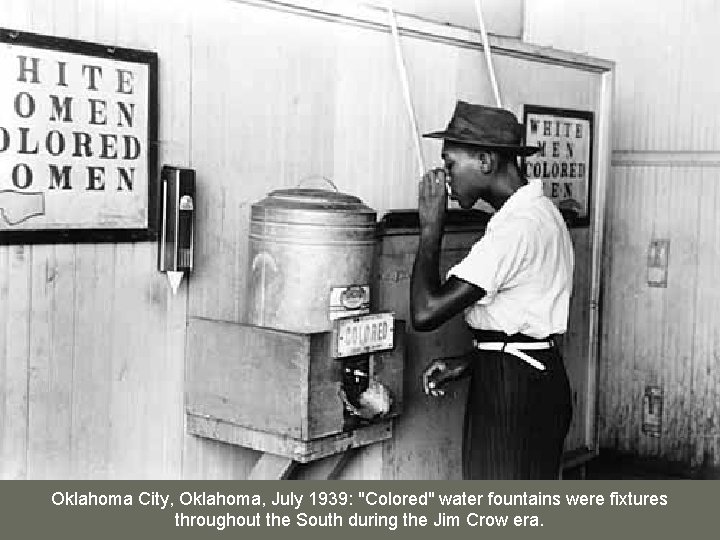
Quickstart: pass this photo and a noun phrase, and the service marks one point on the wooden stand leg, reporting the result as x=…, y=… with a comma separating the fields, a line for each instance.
x=272, y=467
x=329, y=468
x=339, y=465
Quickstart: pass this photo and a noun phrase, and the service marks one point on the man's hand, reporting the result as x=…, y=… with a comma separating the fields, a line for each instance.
x=432, y=201
x=442, y=371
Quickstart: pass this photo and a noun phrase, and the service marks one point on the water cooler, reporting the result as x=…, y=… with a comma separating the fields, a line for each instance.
x=313, y=371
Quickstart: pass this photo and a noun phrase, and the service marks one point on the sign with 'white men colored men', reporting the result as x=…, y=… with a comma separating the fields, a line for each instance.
x=564, y=161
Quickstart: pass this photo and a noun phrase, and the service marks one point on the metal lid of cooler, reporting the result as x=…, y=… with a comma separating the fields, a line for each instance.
x=314, y=199
x=317, y=208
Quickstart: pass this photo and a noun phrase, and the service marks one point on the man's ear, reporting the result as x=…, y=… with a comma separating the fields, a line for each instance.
x=487, y=161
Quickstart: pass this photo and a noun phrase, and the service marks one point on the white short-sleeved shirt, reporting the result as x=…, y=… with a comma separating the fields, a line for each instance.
x=524, y=262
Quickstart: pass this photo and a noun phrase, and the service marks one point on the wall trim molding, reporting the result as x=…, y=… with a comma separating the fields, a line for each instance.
x=375, y=18
x=663, y=158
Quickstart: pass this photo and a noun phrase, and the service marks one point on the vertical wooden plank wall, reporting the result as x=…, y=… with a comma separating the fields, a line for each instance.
x=666, y=166
x=254, y=99
x=91, y=354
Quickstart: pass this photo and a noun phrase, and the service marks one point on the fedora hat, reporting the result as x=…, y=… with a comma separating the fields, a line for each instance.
x=486, y=127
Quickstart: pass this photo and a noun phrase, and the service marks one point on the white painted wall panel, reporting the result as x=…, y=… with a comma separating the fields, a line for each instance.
x=666, y=165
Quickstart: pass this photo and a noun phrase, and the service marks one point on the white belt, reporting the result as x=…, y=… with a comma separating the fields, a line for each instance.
x=516, y=349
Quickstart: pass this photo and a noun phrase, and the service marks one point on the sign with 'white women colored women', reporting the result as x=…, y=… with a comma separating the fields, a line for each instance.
x=76, y=124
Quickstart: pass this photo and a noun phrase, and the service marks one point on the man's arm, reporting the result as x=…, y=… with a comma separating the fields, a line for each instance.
x=432, y=302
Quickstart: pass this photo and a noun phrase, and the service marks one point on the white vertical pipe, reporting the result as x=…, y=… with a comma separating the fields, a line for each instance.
x=406, y=88
x=488, y=55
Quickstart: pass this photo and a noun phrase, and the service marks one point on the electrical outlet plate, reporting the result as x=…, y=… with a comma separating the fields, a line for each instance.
x=652, y=411
x=657, y=265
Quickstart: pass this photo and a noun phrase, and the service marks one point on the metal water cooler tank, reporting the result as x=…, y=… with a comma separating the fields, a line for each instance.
x=311, y=257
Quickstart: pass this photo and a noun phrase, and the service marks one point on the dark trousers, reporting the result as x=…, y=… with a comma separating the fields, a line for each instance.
x=517, y=417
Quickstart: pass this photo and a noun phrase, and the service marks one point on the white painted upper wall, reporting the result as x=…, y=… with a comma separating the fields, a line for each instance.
x=502, y=17
x=665, y=53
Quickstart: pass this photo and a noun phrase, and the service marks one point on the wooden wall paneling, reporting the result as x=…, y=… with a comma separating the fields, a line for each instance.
x=651, y=307
x=538, y=83
x=83, y=19
x=95, y=275
x=706, y=375
x=374, y=144
x=657, y=204
x=624, y=298
x=642, y=195
x=649, y=206
x=41, y=15
x=18, y=283
x=145, y=381
x=16, y=14
x=206, y=459
x=473, y=78
x=373, y=147
x=93, y=318
x=433, y=70
x=208, y=65
x=49, y=363
x=609, y=309
x=162, y=371
x=609, y=326
x=171, y=412
x=712, y=359
x=168, y=313
x=683, y=185
x=226, y=183
x=129, y=352
x=440, y=83
x=50, y=373
x=619, y=309
x=14, y=444
x=5, y=388
x=575, y=341
x=636, y=275
x=174, y=49
x=146, y=436
x=306, y=103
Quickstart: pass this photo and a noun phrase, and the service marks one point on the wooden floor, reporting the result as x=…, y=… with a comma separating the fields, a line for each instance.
x=612, y=466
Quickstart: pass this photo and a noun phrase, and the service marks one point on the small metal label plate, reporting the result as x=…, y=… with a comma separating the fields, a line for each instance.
x=349, y=301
